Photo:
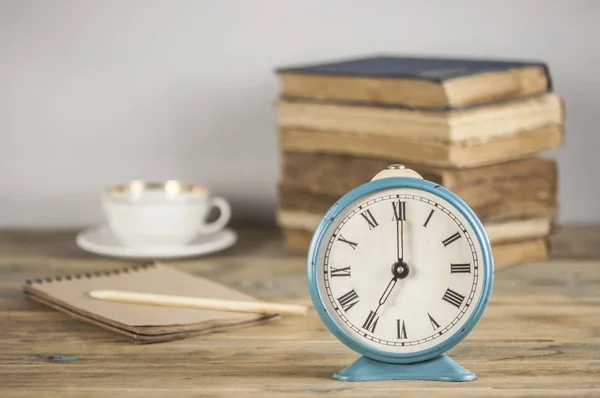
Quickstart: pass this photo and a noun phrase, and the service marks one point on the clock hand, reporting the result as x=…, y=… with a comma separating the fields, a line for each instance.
x=400, y=271
x=387, y=292
x=401, y=259
x=400, y=240
x=382, y=301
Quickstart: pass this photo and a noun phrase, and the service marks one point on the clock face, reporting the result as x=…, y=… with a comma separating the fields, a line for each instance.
x=400, y=270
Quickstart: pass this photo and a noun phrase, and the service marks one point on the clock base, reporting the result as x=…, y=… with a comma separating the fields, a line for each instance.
x=441, y=368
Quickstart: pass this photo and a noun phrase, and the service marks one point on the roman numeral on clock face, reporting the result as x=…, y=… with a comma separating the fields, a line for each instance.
x=428, y=218
x=352, y=244
x=399, y=211
x=456, y=299
x=434, y=324
x=340, y=272
x=450, y=239
x=460, y=268
x=401, y=328
x=348, y=300
x=368, y=216
x=371, y=322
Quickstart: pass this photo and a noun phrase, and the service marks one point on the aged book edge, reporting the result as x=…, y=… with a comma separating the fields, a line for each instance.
x=538, y=199
x=460, y=155
x=481, y=123
x=456, y=93
x=336, y=174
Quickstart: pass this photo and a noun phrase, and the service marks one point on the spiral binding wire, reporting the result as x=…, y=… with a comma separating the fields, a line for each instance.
x=90, y=275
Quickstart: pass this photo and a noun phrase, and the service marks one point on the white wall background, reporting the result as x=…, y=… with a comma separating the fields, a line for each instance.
x=98, y=92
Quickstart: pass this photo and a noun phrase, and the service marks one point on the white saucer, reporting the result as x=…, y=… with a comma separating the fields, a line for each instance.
x=101, y=240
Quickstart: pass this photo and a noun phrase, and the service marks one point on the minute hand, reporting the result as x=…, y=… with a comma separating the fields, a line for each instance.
x=400, y=237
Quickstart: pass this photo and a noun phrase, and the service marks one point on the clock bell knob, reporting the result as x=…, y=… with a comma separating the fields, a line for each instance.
x=397, y=170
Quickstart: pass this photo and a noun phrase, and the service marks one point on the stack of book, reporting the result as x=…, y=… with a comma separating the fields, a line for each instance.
x=476, y=127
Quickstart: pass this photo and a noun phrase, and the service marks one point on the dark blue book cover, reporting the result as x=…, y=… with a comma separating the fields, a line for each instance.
x=432, y=68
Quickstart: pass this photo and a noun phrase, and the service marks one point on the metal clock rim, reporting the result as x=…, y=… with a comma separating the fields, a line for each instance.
x=374, y=186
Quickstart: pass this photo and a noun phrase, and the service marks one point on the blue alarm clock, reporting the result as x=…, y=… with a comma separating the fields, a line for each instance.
x=400, y=270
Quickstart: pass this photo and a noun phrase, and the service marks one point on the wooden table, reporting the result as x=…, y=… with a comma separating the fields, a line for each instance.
x=539, y=337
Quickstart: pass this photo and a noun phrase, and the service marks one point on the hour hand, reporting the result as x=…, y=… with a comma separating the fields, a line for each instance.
x=387, y=292
x=399, y=271
x=373, y=317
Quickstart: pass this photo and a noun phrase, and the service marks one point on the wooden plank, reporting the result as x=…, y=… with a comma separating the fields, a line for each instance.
x=538, y=337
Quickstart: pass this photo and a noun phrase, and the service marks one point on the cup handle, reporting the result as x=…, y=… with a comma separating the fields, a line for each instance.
x=224, y=215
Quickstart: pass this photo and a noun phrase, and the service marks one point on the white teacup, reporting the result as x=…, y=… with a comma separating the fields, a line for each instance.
x=167, y=214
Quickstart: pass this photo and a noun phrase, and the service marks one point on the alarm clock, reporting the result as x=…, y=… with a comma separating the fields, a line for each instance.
x=400, y=270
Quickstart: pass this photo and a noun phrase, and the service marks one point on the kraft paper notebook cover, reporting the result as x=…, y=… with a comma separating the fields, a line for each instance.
x=143, y=324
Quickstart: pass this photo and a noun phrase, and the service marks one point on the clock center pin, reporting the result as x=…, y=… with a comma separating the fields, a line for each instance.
x=400, y=270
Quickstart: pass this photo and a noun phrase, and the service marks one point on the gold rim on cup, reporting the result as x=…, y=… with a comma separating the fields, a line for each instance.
x=171, y=187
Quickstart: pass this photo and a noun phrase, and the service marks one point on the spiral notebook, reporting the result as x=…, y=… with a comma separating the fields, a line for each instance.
x=141, y=323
